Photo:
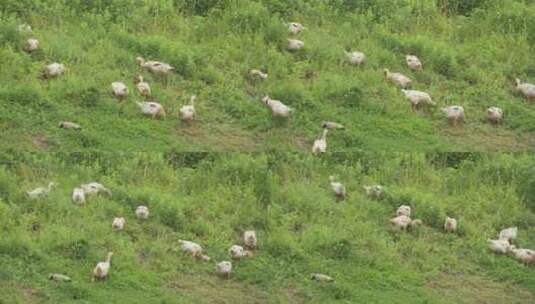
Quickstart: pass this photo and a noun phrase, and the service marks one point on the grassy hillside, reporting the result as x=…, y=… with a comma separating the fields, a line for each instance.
x=212, y=198
x=471, y=52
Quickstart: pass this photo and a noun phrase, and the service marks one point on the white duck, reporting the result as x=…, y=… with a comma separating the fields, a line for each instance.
x=94, y=188
x=455, y=114
x=404, y=210
x=450, y=225
x=320, y=144
x=295, y=44
x=277, y=108
x=401, y=222
x=118, y=223
x=494, y=115
x=187, y=112
x=224, y=268
x=398, y=78
x=190, y=248
x=258, y=73
x=142, y=212
x=237, y=252
x=69, y=125
x=355, y=57
x=24, y=28
x=508, y=234
x=413, y=62
x=375, y=191
x=249, y=239
x=499, y=246
x=332, y=125
x=526, y=256
x=321, y=277
x=418, y=98
x=40, y=191
x=142, y=87
x=338, y=188
x=102, y=269
x=31, y=45
x=151, y=108
x=527, y=89
x=54, y=70
x=155, y=67
x=295, y=28
x=78, y=195
x=119, y=90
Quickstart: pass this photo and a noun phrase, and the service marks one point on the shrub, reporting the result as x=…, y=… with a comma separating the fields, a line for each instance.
x=431, y=215
x=199, y=7
x=526, y=186
x=460, y=7
x=171, y=215
x=24, y=95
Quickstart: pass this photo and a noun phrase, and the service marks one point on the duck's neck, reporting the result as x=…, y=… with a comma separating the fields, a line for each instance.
x=324, y=136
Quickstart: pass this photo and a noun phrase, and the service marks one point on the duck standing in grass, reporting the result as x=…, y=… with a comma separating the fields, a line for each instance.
x=526, y=89
x=355, y=57
x=494, y=115
x=258, y=74
x=224, y=269
x=100, y=272
x=118, y=223
x=404, y=210
x=119, y=90
x=187, y=112
x=338, y=188
x=413, y=62
x=142, y=212
x=332, y=125
x=508, y=234
x=295, y=44
x=68, y=125
x=450, y=225
x=142, y=86
x=499, y=246
x=40, y=191
x=454, y=114
x=320, y=144
x=398, y=78
x=278, y=109
x=31, y=45
x=156, y=67
x=78, y=195
x=418, y=98
x=375, y=191
x=295, y=28
x=53, y=70
x=152, y=109
x=320, y=277
x=249, y=239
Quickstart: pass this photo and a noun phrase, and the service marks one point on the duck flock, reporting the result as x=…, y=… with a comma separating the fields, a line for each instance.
x=248, y=243
x=419, y=100
x=402, y=221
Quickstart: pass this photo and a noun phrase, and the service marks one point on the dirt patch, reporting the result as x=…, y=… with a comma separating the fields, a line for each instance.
x=301, y=142
x=217, y=290
x=222, y=138
x=488, y=138
x=473, y=289
x=41, y=141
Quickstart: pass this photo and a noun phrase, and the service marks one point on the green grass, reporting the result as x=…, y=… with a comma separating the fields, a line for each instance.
x=211, y=198
x=471, y=51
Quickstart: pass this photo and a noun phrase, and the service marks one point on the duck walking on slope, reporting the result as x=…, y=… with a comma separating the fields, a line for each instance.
x=320, y=144
x=187, y=112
